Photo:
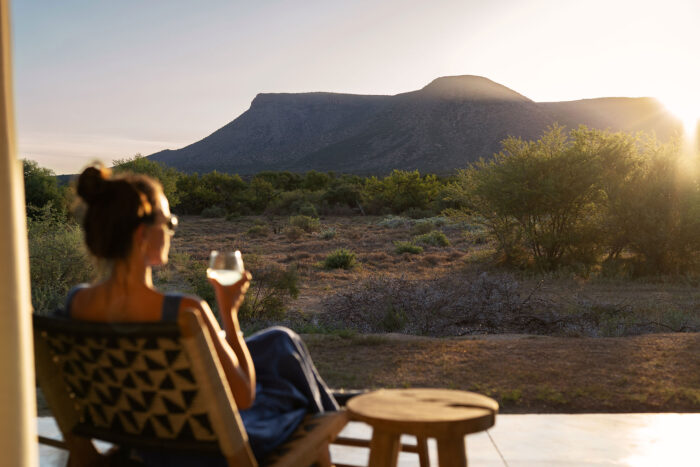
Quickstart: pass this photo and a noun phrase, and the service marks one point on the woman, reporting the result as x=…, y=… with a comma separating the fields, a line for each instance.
x=127, y=227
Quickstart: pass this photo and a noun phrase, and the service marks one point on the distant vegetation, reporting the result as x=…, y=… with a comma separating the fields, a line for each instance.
x=584, y=200
x=587, y=198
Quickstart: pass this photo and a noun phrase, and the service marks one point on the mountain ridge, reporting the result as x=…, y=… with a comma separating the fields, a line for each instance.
x=443, y=126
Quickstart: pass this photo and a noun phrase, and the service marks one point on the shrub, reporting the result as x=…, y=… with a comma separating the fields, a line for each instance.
x=308, y=209
x=212, y=189
x=214, y=211
x=295, y=202
x=259, y=230
x=477, y=237
x=315, y=181
x=473, y=302
x=344, y=191
x=58, y=259
x=434, y=238
x=393, y=222
x=167, y=176
x=306, y=223
x=340, y=259
x=407, y=247
x=422, y=227
x=417, y=213
x=327, y=234
x=41, y=188
x=195, y=274
x=437, y=221
x=401, y=191
x=549, y=196
x=655, y=214
x=271, y=289
x=293, y=233
x=393, y=320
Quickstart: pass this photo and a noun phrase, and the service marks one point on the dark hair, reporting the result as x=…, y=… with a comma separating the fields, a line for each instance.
x=115, y=208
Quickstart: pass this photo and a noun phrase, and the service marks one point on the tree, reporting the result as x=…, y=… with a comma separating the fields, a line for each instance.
x=167, y=176
x=41, y=189
x=261, y=192
x=316, y=181
x=212, y=189
x=399, y=191
x=281, y=181
x=542, y=195
x=344, y=191
x=655, y=211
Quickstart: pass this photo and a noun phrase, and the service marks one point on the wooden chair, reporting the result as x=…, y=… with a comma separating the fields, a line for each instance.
x=153, y=386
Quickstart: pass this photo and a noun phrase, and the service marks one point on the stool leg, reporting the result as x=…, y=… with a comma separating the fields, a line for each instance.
x=422, y=447
x=452, y=452
x=324, y=457
x=383, y=449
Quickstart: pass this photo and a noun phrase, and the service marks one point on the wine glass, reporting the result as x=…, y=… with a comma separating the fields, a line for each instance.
x=225, y=267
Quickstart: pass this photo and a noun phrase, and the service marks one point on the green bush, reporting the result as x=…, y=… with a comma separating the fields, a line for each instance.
x=407, y=247
x=293, y=233
x=423, y=226
x=213, y=189
x=567, y=199
x=214, y=211
x=316, y=181
x=401, y=191
x=306, y=223
x=58, y=259
x=308, y=209
x=270, y=291
x=327, y=234
x=295, y=202
x=344, y=191
x=41, y=189
x=655, y=213
x=434, y=238
x=545, y=195
x=393, y=222
x=195, y=274
x=259, y=231
x=340, y=259
x=418, y=213
x=394, y=319
x=167, y=176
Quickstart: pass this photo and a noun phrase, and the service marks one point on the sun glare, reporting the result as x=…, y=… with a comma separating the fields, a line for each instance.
x=687, y=109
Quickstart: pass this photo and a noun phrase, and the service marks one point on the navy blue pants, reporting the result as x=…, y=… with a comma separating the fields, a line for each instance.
x=288, y=388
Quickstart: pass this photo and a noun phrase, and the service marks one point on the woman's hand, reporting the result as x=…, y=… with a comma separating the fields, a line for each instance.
x=230, y=297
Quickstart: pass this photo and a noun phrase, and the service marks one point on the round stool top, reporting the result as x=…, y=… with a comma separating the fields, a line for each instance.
x=432, y=413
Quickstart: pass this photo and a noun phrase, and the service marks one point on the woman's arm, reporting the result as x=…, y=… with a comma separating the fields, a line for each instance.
x=232, y=351
x=230, y=299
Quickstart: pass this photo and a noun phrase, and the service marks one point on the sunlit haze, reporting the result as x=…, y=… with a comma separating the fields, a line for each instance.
x=111, y=79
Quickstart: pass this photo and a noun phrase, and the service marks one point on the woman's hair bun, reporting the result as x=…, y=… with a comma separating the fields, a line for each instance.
x=92, y=183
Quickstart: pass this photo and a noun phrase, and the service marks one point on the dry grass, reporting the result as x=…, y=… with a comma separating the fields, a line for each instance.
x=526, y=374
x=656, y=372
x=373, y=244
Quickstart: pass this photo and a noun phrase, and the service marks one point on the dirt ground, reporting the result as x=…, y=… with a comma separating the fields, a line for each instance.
x=526, y=374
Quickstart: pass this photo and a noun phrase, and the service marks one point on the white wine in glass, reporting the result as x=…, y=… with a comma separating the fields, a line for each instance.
x=225, y=267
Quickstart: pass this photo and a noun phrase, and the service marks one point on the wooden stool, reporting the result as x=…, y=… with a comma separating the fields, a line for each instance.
x=443, y=414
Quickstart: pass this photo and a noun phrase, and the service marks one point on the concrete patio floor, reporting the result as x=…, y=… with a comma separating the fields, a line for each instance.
x=534, y=440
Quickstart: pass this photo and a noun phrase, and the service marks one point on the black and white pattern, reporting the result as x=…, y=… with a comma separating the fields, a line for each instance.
x=130, y=386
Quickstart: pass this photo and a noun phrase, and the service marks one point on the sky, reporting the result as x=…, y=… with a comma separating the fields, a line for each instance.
x=107, y=80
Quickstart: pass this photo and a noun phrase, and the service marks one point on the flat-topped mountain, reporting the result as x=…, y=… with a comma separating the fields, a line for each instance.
x=445, y=125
